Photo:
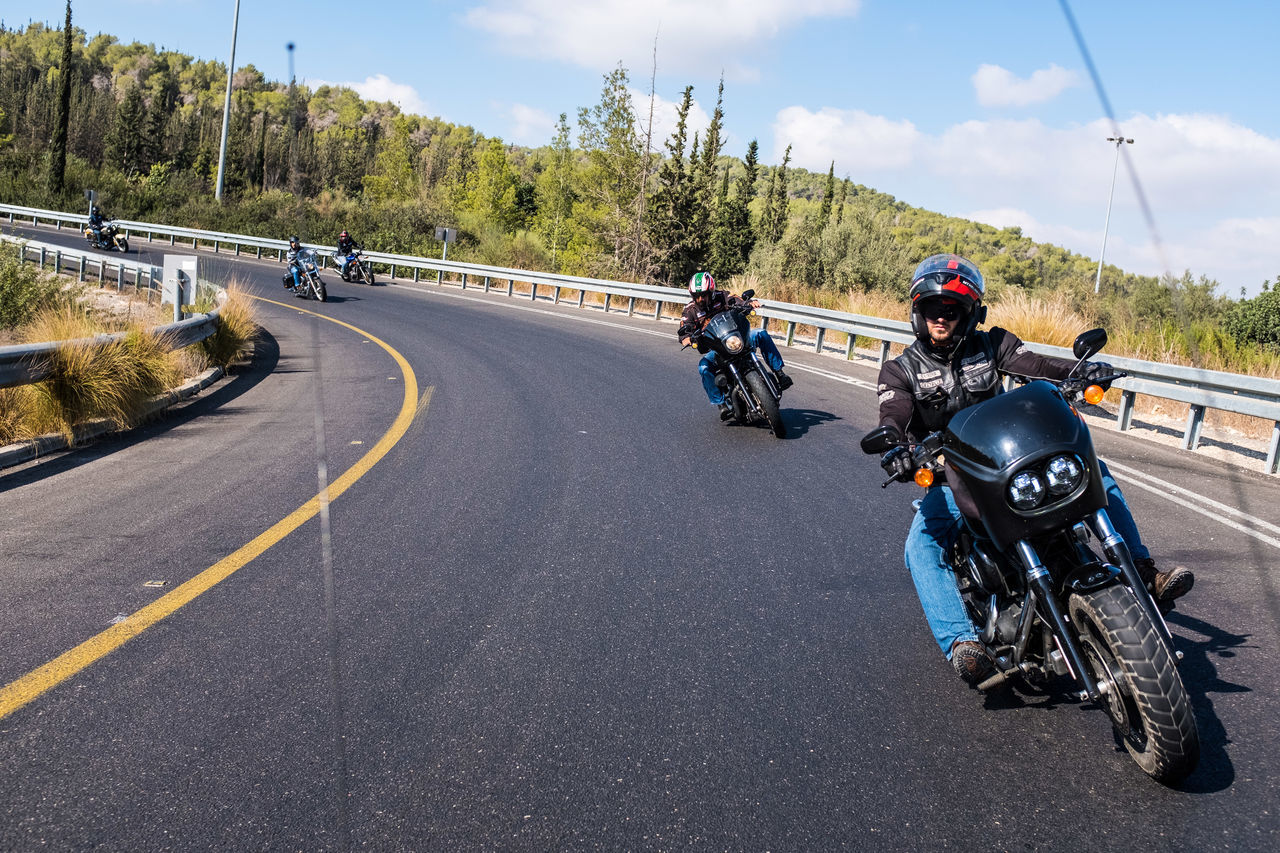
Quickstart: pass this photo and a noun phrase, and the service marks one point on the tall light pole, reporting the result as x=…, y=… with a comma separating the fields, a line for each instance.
x=226, y=104
x=1118, y=140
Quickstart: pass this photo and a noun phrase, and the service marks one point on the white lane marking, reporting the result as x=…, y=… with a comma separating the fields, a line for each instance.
x=1211, y=508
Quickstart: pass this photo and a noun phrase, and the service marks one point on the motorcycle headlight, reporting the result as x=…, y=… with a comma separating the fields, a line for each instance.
x=1063, y=475
x=1026, y=491
x=733, y=343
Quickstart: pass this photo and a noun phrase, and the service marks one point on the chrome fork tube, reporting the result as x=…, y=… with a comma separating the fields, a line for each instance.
x=1117, y=550
x=1038, y=578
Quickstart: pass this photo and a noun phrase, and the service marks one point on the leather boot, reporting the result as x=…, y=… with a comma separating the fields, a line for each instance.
x=1164, y=586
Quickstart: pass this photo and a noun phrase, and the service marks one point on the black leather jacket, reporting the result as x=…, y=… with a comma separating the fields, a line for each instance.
x=922, y=388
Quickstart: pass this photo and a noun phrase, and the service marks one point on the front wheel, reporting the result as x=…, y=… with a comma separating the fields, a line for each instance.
x=317, y=288
x=123, y=243
x=1145, y=697
x=767, y=402
x=368, y=272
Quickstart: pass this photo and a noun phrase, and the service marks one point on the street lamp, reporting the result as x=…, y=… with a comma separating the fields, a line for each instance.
x=1118, y=140
x=226, y=104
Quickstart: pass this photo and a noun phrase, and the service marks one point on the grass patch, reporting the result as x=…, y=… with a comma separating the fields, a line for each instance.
x=236, y=331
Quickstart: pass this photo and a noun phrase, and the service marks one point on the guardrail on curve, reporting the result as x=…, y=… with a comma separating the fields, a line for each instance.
x=1200, y=389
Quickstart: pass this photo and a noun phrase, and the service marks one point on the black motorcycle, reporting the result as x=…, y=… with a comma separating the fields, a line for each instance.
x=1024, y=471
x=741, y=372
x=107, y=237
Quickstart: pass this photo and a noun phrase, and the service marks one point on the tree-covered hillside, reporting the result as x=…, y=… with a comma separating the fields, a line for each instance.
x=143, y=128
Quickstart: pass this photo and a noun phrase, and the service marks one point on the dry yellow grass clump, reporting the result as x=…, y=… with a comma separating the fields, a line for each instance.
x=236, y=331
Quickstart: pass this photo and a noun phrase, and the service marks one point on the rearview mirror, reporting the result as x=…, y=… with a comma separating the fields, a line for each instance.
x=881, y=440
x=1090, y=343
x=748, y=294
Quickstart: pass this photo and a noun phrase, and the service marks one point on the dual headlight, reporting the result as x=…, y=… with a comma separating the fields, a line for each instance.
x=733, y=344
x=1057, y=478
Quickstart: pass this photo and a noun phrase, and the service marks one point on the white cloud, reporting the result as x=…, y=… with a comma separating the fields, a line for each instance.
x=856, y=140
x=692, y=35
x=531, y=126
x=380, y=87
x=1212, y=185
x=999, y=87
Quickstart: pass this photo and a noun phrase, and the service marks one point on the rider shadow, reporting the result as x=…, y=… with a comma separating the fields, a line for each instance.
x=799, y=421
x=243, y=377
x=332, y=297
x=1200, y=675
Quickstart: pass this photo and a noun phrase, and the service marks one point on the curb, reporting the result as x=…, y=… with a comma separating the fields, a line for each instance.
x=24, y=451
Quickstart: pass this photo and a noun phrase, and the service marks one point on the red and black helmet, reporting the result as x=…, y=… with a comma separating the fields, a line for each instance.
x=344, y=235
x=947, y=277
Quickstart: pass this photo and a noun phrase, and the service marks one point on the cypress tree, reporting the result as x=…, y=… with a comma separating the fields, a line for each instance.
x=58, y=145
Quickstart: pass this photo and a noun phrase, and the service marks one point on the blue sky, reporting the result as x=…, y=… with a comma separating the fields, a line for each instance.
x=982, y=108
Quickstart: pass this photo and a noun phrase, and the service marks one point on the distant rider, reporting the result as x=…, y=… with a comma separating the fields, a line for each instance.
x=952, y=366
x=346, y=246
x=708, y=302
x=293, y=277
x=96, y=221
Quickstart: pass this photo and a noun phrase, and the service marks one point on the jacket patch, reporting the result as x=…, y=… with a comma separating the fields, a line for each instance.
x=886, y=396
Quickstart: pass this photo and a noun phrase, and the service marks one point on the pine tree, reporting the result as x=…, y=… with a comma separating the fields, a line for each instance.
x=125, y=146
x=824, y=212
x=734, y=237
x=844, y=195
x=779, y=202
x=58, y=144
x=555, y=194
x=670, y=210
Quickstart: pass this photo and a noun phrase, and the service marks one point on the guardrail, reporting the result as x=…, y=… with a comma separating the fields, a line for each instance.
x=23, y=364
x=1200, y=389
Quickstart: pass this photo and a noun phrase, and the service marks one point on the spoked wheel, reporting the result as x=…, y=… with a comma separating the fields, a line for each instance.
x=317, y=287
x=1143, y=693
x=123, y=243
x=368, y=272
x=760, y=390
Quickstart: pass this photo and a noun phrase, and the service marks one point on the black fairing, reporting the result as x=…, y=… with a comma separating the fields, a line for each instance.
x=988, y=443
x=724, y=325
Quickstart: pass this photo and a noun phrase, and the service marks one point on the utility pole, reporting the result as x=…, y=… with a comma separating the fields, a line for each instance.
x=1118, y=140
x=226, y=104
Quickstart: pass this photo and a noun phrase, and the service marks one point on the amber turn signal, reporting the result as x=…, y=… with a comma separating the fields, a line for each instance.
x=924, y=478
x=1093, y=394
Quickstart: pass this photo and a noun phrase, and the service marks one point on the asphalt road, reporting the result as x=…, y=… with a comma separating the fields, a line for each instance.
x=568, y=609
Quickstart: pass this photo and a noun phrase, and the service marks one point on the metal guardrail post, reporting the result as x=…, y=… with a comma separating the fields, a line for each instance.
x=817, y=344
x=533, y=291
x=884, y=352
x=849, y=345
x=1274, y=452
x=1195, y=421
x=555, y=300
x=511, y=286
x=582, y=296
x=791, y=333
x=607, y=297
x=416, y=272
x=464, y=281
x=393, y=272
x=486, y=284
x=1124, y=418
x=631, y=306
x=172, y=240
x=657, y=311
x=42, y=256
x=259, y=255
x=82, y=268
x=216, y=244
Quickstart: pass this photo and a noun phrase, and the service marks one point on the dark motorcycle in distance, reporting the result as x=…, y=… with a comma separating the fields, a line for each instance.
x=309, y=284
x=358, y=269
x=741, y=372
x=108, y=237
x=1046, y=602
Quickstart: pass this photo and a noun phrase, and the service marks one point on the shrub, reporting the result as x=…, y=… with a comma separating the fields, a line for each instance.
x=24, y=290
x=1256, y=321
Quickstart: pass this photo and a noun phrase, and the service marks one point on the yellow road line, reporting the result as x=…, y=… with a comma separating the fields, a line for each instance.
x=21, y=691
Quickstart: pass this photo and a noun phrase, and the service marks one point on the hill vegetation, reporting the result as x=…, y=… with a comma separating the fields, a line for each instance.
x=143, y=125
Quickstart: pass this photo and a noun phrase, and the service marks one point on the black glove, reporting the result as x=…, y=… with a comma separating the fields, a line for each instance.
x=1096, y=369
x=897, y=463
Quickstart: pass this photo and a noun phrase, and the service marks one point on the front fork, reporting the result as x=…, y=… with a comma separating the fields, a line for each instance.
x=1114, y=546
x=1038, y=579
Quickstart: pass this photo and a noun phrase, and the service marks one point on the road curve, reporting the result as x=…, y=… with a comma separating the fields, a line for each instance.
x=569, y=609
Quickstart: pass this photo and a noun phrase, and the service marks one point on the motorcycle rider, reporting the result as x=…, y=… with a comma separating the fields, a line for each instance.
x=707, y=302
x=96, y=221
x=346, y=246
x=293, y=277
x=950, y=366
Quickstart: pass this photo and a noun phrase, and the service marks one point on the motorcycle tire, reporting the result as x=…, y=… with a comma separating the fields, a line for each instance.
x=317, y=288
x=768, y=404
x=368, y=273
x=123, y=243
x=1146, y=699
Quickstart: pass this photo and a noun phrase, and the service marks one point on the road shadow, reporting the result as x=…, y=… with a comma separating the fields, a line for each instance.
x=238, y=379
x=800, y=421
x=1199, y=669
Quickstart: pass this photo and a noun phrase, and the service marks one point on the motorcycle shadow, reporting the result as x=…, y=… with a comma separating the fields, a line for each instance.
x=1202, y=679
x=800, y=421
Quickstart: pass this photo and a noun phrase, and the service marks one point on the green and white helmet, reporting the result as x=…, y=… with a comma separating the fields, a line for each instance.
x=702, y=282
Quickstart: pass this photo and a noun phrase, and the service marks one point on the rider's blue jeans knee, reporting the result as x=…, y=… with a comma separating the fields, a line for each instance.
x=933, y=532
x=760, y=340
x=1121, y=517
x=707, y=370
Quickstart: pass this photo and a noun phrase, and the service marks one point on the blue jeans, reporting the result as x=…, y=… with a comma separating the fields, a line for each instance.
x=933, y=532
x=707, y=364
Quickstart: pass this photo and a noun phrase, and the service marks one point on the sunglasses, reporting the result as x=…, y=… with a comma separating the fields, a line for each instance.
x=941, y=311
